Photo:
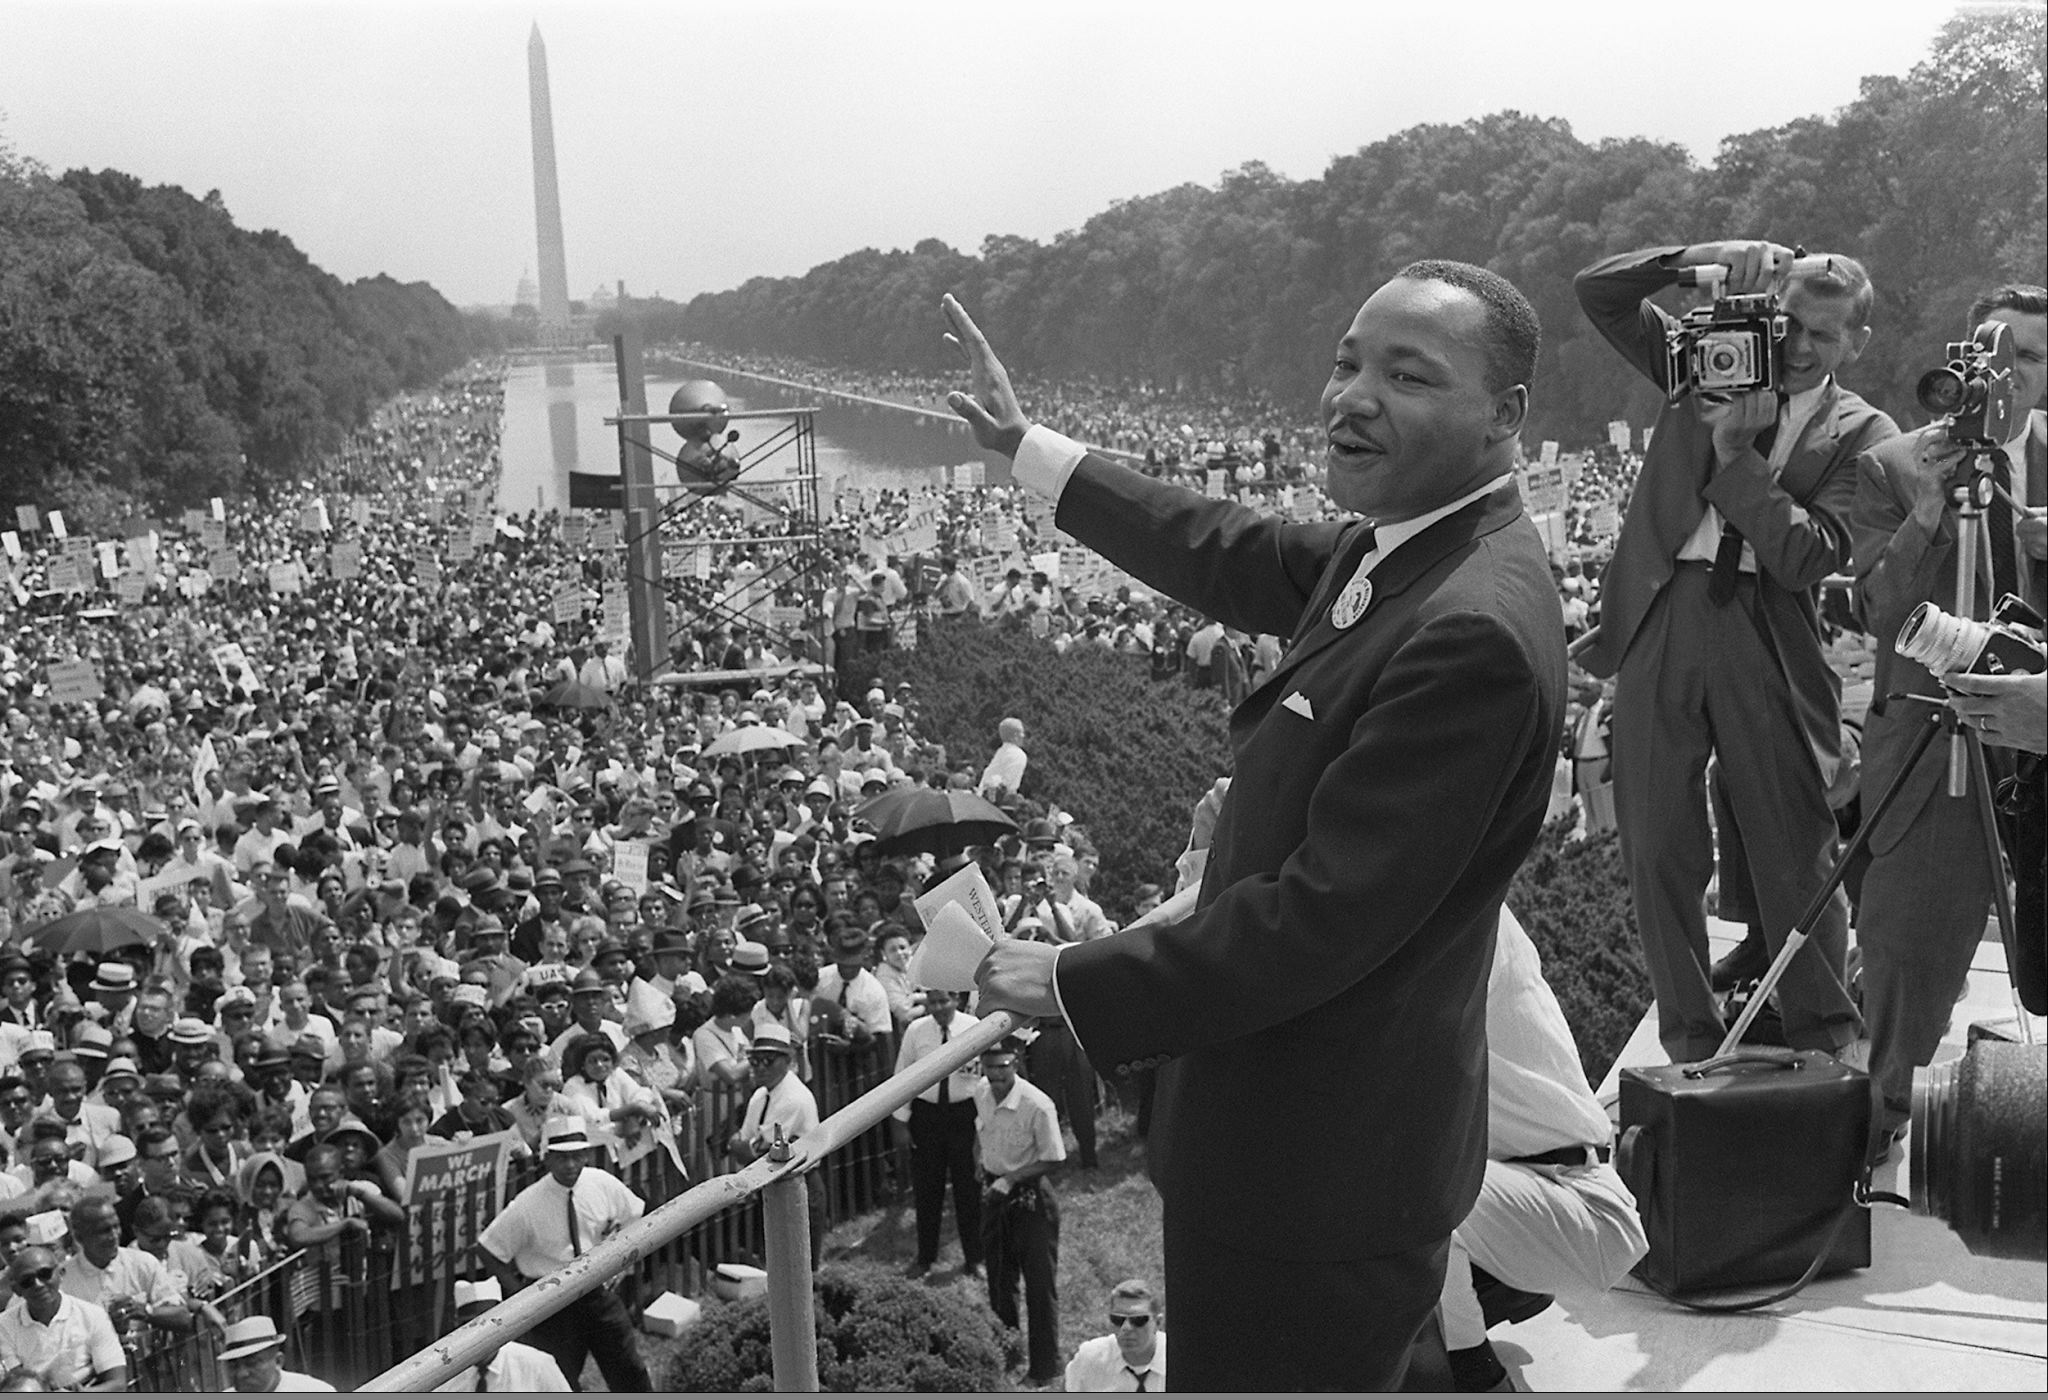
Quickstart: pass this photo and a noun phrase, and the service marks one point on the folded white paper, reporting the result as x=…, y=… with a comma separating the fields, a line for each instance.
x=952, y=949
x=968, y=888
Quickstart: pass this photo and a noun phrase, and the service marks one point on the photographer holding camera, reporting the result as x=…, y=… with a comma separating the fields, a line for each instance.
x=1708, y=616
x=1929, y=884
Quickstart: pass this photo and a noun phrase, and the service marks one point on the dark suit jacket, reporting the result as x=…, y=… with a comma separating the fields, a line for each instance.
x=1899, y=566
x=1798, y=523
x=1324, y=1010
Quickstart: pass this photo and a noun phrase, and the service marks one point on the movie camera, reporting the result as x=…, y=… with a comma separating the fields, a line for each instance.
x=1974, y=391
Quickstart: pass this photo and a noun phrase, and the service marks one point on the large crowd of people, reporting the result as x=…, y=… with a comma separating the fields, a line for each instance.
x=305, y=869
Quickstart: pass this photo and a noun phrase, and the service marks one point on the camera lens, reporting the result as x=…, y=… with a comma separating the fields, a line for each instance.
x=1940, y=391
x=1979, y=1148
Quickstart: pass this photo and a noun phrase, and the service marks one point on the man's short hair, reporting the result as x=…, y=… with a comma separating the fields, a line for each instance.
x=2013, y=296
x=1843, y=279
x=1134, y=1290
x=1513, y=333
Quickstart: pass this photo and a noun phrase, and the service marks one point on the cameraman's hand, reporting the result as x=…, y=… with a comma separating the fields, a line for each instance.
x=2030, y=528
x=1927, y=472
x=1737, y=419
x=2010, y=711
x=1753, y=265
x=1206, y=812
x=992, y=411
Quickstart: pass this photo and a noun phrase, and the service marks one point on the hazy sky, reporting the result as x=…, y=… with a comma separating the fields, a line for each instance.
x=700, y=145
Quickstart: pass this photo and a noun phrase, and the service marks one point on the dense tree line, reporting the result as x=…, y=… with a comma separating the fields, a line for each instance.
x=1938, y=180
x=153, y=354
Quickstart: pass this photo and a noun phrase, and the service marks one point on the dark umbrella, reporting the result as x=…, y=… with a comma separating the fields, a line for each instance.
x=929, y=819
x=575, y=695
x=99, y=930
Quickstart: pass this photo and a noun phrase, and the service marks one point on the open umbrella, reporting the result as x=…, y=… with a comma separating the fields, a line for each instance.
x=575, y=695
x=99, y=930
x=931, y=819
x=751, y=738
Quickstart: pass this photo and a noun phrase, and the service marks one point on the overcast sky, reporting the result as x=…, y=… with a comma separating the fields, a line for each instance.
x=702, y=144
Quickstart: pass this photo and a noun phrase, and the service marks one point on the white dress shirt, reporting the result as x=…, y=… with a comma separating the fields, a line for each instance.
x=923, y=1037
x=1099, y=1365
x=517, y=1366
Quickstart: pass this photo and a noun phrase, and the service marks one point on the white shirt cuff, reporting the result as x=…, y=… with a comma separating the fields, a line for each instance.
x=1045, y=460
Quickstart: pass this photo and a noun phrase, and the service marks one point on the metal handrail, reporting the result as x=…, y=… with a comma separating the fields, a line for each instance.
x=788, y=1311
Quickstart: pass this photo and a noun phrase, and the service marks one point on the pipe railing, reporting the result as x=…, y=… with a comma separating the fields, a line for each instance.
x=794, y=1343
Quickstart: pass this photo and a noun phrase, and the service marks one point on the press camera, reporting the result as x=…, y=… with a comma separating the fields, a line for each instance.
x=1730, y=346
x=1974, y=390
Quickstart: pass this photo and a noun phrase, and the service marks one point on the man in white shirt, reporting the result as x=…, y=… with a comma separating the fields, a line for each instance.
x=1132, y=1356
x=253, y=1352
x=939, y=1124
x=1005, y=770
x=781, y=1106
x=857, y=991
x=1018, y=1135
x=64, y=1342
x=514, y=1366
x=120, y=1278
x=563, y=1215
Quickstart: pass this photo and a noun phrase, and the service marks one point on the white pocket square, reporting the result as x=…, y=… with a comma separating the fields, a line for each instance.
x=1298, y=703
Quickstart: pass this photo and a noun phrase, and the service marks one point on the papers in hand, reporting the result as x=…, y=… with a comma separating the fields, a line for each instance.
x=961, y=925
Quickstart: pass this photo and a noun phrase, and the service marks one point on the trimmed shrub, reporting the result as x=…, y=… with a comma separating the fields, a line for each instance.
x=1572, y=897
x=1129, y=757
x=875, y=1331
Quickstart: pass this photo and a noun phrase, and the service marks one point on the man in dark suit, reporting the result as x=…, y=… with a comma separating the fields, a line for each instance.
x=1709, y=624
x=1929, y=884
x=1321, y=1119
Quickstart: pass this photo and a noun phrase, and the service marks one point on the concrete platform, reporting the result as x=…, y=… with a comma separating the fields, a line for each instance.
x=1927, y=1314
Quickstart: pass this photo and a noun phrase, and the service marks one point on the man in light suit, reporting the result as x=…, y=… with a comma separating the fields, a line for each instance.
x=1929, y=884
x=1321, y=1120
x=1709, y=624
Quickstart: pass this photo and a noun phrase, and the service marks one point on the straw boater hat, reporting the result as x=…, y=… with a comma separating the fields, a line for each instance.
x=475, y=1296
x=248, y=1337
x=565, y=1134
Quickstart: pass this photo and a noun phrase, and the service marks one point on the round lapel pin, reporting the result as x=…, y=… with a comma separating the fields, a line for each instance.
x=1352, y=603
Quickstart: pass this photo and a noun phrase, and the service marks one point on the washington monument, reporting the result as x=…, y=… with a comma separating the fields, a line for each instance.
x=547, y=198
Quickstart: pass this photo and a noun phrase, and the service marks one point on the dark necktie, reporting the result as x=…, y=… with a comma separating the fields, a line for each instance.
x=1728, y=555
x=946, y=1084
x=480, y=1378
x=2004, y=566
x=1136, y=1375
x=575, y=1231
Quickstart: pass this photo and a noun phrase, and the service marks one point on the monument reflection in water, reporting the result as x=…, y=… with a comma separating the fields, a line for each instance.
x=554, y=424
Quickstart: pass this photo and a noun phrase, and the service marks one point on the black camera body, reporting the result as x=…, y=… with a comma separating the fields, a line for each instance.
x=1731, y=346
x=1974, y=391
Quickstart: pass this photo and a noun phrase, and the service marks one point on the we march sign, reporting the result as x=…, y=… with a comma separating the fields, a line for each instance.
x=456, y=1187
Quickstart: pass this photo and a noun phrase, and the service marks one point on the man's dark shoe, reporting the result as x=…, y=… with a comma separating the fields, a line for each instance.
x=1503, y=1303
x=917, y=1270
x=1477, y=1371
x=1746, y=962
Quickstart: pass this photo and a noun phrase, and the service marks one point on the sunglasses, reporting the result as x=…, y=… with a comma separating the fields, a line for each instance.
x=1121, y=1320
x=765, y=1057
x=41, y=1278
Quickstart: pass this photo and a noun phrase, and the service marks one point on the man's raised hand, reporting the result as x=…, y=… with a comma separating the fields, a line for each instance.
x=991, y=410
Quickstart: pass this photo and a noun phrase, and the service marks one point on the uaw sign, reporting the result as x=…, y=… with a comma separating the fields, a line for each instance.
x=458, y=1185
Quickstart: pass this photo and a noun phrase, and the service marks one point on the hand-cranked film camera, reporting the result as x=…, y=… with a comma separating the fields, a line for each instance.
x=1974, y=390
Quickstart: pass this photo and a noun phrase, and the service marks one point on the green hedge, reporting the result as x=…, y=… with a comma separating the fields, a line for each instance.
x=1130, y=756
x=875, y=1331
x=1572, y=897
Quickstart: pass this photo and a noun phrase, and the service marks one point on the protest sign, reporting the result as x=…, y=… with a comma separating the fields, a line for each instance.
x=26, y=517
x=74, y=682
x=568, y=603
x=575, y=531
x=1617, y=433
x=1549, y=458
x=629, y=865
x=286, y=577
x=64, y=576
x=129, y=588
x=456, y=1178
x=57, y=524
x=427, y=572
x=1544, y=493
x=345, y=560
x=213, y=536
